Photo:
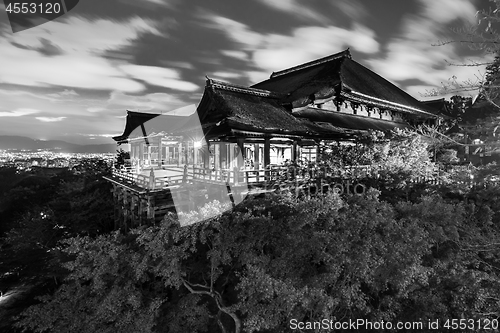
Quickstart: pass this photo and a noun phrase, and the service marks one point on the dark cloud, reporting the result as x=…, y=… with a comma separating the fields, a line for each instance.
x=49, y=49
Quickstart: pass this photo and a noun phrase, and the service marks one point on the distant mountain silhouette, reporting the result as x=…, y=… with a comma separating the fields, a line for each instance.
x=22, y=142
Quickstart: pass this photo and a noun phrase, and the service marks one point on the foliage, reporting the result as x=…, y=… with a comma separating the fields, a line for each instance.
x=481, y=36
x=395, y=160
x=122, y=158
x=36, y=213
x=458, y=105
x=43, y=210
x=272, y=259
x=447, y=156
x=8, y=177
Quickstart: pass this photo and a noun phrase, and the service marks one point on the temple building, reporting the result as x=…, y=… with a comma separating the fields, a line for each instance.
x=235, y=140
x=282, y=118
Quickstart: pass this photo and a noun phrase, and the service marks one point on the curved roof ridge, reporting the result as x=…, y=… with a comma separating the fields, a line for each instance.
x=345, y=53
x=241, y=89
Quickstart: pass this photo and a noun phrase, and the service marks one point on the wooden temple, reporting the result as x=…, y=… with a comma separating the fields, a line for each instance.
x=238, y=134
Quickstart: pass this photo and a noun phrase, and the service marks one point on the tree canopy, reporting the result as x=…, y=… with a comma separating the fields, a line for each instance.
x=272, y=260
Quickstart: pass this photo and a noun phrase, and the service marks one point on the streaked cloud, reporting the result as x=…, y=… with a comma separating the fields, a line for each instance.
x=297, y=8
x=225, y=75
x=64, y=93
x=310, y=10
x=18, y=112
x=411, y=55
x=159, y=102
x=81, y=62
x=99, y=135
x=186, y=110
x=50, y=119
x=257, y=76
x=239, y=33
x=177, y=64
x=308, y=43
x=354, y=9
x=159, y=76
x=92, y=65
x=96, y=109
x=166, y=3
x=21, y=93
x=235, y=54
x=446, y=11
x=271, y=52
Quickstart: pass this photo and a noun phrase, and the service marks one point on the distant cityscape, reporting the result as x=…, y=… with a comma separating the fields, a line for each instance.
x=22, y=143
x=48, y=162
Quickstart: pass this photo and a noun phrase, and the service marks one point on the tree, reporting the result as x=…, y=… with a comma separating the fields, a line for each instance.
x=122, y=158
x=272, y=260
x=39, y=212
x=480, y=123
x=395, y=159
x=484, y=37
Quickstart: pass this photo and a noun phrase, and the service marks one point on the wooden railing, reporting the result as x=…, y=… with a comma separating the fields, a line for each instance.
x=233, y=176
x=149, y=182
x=271, y=174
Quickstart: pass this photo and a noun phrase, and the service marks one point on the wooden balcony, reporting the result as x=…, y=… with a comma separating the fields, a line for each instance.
x=147, y=180
x=150, y=180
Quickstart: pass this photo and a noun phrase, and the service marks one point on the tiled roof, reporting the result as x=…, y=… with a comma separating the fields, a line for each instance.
x=154, y=123
x=250, y=109
x=134, y=120
x=321, y=80
x=326, y=78
x=438, y=107
x=267, y=107
x=480, y=110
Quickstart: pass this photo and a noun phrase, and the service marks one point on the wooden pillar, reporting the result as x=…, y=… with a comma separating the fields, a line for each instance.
x=141, y=154
x=195, y=156
x=116, y=210
x=125, y=210
x=241, y=155
x=267, y=157
x=230, y=153
x=151, y=207
x=186, y=152
x=206, y=156
x=152, y=180
x=216, y=156
x=160, y=149
x=132, y=151
x=318, y=152
x=133, y=215
x=141, y=210
x=256, y=159
x=179, y=154
x=222, y=155
x=267, y=151
x=294, y=151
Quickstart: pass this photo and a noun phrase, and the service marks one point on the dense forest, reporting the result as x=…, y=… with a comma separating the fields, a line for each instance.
x=36, y=213
x=405, y=251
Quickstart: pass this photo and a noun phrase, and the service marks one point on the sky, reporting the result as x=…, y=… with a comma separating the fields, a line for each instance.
x=74, y=78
